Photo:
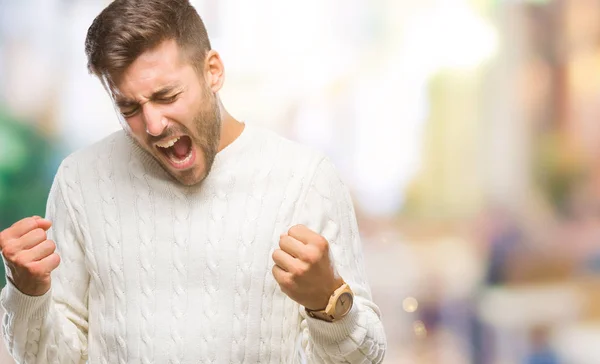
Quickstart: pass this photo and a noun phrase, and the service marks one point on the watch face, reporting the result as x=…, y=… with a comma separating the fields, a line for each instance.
x=344, y=304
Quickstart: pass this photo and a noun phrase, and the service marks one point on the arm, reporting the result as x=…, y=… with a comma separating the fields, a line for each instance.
x=52, y=328
x=359, y=336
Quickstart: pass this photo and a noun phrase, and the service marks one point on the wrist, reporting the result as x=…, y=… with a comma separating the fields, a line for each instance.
x=339, y=304
x=29, y=288
x=337, y=283
x=321, y=304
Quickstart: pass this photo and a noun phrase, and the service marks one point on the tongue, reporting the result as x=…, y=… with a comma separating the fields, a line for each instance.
x=181, y=148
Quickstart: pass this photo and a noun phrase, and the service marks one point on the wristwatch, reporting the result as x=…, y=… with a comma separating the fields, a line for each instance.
x=339, y=305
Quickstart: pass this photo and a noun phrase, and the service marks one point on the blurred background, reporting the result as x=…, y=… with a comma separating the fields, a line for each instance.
x=467, y=131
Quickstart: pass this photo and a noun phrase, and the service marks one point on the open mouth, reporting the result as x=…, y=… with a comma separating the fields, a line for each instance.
x=178, y=151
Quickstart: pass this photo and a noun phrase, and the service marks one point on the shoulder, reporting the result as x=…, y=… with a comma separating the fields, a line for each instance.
x=100, y=155
x=284, y=151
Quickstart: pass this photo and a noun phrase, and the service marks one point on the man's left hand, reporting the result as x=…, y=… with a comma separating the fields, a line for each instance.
x=303, y=268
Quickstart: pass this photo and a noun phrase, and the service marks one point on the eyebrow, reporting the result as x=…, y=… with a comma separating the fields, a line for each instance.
x=160, y=93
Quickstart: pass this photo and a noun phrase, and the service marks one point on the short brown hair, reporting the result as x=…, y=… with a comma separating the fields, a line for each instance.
x=127, y=28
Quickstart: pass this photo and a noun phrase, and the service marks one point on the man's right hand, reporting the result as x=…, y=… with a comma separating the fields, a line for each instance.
x=30, y=257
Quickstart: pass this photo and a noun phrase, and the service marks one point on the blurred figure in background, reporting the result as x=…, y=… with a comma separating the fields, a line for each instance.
x=542, y=351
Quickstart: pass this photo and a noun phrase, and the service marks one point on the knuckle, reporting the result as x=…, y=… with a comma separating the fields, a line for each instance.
x=300, y=271
x=275, y=271
x=51, y=245
x=19, y=261
x=36, y=271
x=313, y=256
x=32, y=269
x=9, y=253
x=29, y=223
x=321, y=242
x=295, y=229
x=53, y=262
x=5, y=240
x=295, y=272
x=40, y=233
x=288, y=282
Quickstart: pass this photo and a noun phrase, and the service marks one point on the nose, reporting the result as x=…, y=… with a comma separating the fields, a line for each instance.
x=154, y=119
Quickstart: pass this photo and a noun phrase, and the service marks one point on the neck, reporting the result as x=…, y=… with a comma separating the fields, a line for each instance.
x=230, y=129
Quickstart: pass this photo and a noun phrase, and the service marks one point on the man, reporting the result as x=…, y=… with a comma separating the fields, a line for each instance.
x=190, y=237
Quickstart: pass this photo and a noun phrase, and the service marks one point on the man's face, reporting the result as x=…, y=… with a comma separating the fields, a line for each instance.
x=171, y=112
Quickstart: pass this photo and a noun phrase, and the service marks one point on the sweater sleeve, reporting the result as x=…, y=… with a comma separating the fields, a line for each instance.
x=359, y=336
x=52, y=328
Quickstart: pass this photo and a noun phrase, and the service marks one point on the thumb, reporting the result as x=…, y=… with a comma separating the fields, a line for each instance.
x=43, y=223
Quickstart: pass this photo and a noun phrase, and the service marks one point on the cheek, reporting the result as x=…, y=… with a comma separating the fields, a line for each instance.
x=136, y=125
x=192, y=104
x=183, y=112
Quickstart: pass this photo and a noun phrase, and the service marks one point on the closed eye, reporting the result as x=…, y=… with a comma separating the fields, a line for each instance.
x=130, y=109
x=167, y=100
x=130, y=112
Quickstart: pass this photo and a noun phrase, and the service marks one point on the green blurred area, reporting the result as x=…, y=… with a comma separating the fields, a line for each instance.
x=27, y=166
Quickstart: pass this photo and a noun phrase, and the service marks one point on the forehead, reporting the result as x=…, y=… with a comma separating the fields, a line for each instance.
x=155, y=68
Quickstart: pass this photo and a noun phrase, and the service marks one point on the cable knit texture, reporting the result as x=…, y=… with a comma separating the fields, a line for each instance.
x=156, y=272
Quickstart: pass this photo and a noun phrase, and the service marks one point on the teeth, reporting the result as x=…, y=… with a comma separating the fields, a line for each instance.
x=167, y=144
x=184, y=161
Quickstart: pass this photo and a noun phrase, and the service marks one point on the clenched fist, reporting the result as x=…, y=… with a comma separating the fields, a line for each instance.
x=303, y=268
x=30, y=257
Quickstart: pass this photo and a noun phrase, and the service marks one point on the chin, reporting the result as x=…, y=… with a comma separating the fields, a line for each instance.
x=193, y=175
x=189, y=180
x=189, y=177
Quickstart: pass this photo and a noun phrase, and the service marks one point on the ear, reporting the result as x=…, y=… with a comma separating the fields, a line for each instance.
x=214, y=71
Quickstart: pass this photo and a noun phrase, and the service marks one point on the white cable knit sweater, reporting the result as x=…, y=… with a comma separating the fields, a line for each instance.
x=156, y=272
